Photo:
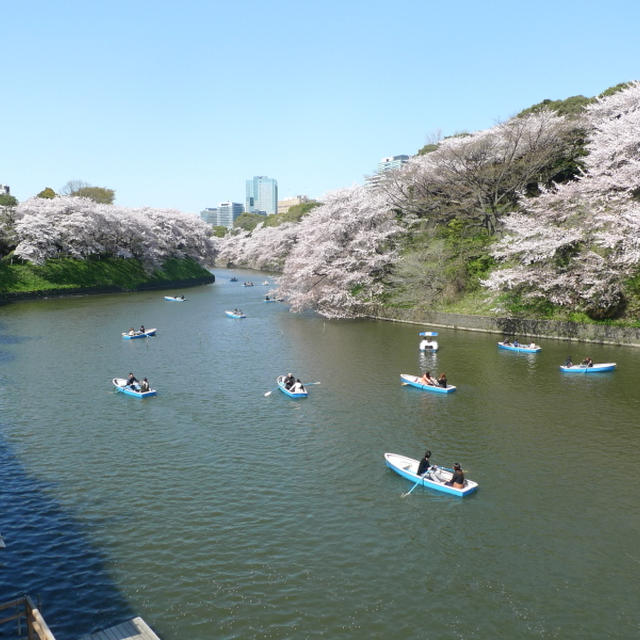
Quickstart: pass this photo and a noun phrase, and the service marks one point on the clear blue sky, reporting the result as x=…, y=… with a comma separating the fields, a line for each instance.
x=175, y=104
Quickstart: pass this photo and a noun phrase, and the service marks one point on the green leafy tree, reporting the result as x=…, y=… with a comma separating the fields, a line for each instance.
x=248, y=221
x=80, y=189
x=7, y=200
x=219, y=231
x=293, y=214
x=48, y=192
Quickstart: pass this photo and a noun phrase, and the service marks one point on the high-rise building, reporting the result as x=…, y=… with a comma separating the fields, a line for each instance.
x=262, y=195
x=5, y=190
x=210, y=215
x=224, y=215
x=392, y=162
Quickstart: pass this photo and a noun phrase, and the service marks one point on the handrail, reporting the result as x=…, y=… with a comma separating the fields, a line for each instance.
x=37, y=628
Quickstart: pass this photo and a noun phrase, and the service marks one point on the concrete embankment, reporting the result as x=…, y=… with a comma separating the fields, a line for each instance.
x=76, y=291
x=510, y=326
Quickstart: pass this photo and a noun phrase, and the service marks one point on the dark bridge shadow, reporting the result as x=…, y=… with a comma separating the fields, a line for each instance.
x=48, y=557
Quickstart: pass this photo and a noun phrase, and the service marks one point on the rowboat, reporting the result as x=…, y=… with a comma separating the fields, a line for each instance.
x=414, y=381
x=597, y=367
x=532, y=348
x=139, y=334
x=122, y=386
x=174, y=299
x=233, y=314
x=291, y=394
x=436, y=478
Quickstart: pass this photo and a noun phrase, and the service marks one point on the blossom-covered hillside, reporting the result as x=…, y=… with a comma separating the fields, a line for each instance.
x=541, y=210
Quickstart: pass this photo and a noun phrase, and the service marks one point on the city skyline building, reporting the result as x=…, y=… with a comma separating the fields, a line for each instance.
x=224, y=215
x=392, y=162
x=261, y=195
x=287, y=203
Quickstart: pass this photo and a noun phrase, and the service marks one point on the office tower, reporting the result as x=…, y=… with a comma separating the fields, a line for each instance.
x=262, y=195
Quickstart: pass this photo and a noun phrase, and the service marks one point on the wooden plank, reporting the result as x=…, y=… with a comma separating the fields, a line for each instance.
x=133, y=629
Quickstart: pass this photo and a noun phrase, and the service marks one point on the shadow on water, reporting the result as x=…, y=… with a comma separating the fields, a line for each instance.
x=48, y=557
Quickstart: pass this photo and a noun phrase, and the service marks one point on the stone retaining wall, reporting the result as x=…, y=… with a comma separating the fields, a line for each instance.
x=519, y=327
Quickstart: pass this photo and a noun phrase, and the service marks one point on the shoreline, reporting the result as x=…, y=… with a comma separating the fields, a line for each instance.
x=546, y=329
x=43, y=294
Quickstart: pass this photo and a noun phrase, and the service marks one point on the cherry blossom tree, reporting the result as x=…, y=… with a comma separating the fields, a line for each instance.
x=480, y=176
x=343, y=251
x=579, y=242
x=79, y=227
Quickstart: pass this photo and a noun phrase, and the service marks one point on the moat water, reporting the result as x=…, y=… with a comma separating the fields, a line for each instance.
x=213, y=511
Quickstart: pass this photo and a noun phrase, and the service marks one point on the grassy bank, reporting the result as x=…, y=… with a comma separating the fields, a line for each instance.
x=67, y=273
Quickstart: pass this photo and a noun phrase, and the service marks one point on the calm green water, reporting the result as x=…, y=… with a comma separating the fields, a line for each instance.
x=214, y=512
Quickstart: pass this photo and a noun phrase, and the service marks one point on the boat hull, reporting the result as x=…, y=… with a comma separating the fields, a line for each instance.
x=236, y=316
x=291, y=394
x=146, y=334
x=596, y=368
x=121, y=385
x=414, y=382
x=172, y=299
x=510, y=347
x=435, y=479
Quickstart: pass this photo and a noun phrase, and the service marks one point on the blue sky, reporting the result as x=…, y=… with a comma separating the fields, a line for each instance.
x=176, y=104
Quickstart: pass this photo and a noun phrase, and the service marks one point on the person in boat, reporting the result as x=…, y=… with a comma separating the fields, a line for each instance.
x=587, y=362
x=132, y=331
x=457, y=479
x=298, y=387
x=289, y=381
x=516, y=343
x=568, y=362
x=144, y=385
x=425, y=463
x=506, y=342
x=427, y=379
x=132, y=381
x=442, y=380
x=142, y=329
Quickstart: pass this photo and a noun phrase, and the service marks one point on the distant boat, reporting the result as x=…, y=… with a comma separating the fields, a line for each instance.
x=428, y=345
x=233, y=279
x=138, y=334
x=237, y=316
x=266, y=283
x=524, y=348
x=175, y=298
x=597, y=367
x=122, y=386
x=436, y=478
x=414, y=381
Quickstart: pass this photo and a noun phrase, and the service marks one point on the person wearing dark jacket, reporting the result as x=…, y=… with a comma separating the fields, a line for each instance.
x=457, y=480
x=423, y=467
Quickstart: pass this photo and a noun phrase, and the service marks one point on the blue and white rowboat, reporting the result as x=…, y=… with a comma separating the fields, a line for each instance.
x=291, y=394
x=523, y=348
x=436, y=478
x=598, y=367
x=414, y=381
x=174, y=299
x=122, y=386
x=139, y=334
x=237, y=316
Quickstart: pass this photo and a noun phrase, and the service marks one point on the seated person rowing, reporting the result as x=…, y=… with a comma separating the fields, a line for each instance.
x=457, y=479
